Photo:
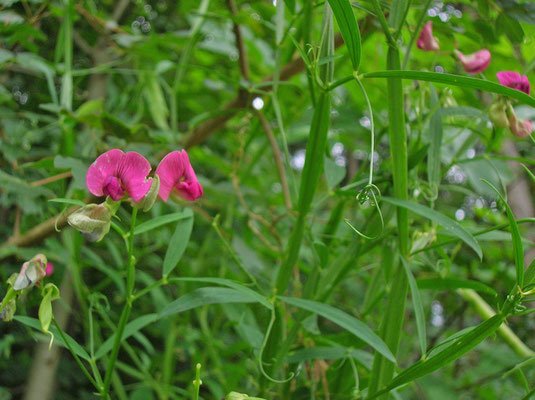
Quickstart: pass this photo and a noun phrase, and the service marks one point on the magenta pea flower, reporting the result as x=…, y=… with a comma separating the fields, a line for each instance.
x=476, y=62
x=426, y=40
x=176, y=175
x=514, y=80
x=115, y=174
x=521, y=128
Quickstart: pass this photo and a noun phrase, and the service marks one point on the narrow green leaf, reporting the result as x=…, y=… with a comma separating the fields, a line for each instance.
x=518, y=249
x=529, y=276
x=349, y=29
x=435, y=137
x=447, y=223
x=511, y=27
x=203, y=296
x=131, y=328
x=457, y=80
x=34, y=323
x=231, y=284
x=344, y=320
x=453, y=284
x=161, y=220
x=418, y=307
x=398, y=10
x=68, y=201
x=178, y=244
x=458, y=348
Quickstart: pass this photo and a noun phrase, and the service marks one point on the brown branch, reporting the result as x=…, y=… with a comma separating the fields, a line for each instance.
x=278, y=158
x=206, y=129
x=244, y=64
x=54, y=178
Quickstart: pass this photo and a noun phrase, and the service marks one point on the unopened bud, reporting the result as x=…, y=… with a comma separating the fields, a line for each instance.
x=92, y=221
x=31, y=272
x=498, y=116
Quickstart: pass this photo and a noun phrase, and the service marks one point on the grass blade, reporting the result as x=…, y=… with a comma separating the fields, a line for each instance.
x=344, y=320
x=457, y=80
x=447, y=223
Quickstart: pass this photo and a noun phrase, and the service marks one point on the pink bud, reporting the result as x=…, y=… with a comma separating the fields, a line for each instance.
x=426, y=40
x=476, y=62
x=514, y=80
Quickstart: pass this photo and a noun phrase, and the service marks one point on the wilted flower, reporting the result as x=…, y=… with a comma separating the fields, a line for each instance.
x=176, y=174
x=514, y=80
x=426, y=40
x=31, y=272
x=93, y=221
x=476, y=62
x=115, y=173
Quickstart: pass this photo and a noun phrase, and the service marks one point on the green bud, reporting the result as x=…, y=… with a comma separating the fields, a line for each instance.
x=498, y=116
x=92, y=221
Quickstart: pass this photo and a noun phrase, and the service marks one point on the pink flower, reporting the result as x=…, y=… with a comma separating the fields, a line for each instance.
x=176, y=174
x=426, y=40
x=476, y=62
x=514, y=80
x=49, y=268
x=115, y=173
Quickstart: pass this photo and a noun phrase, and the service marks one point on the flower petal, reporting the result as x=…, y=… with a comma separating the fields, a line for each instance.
x=508, y=78
x=170, y=171
x=105, y=165
x=133, y=173
x=189, y=188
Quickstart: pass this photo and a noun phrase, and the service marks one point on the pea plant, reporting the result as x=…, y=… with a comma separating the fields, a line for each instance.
x=359, y=175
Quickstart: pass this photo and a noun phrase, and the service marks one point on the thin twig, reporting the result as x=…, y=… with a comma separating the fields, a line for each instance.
x=50, y=179
x=277, y=155
x=242, y=52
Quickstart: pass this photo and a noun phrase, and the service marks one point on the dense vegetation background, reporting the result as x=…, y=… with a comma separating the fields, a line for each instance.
x=249, y=87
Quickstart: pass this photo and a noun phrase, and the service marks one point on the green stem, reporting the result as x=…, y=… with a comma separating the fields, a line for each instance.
x=384, y=24
x=76, y=358
x=392, y=324
x=197, y=382
x=415, y=34
x=130, y=279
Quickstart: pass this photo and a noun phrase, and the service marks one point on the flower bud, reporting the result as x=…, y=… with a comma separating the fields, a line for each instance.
x=522, y=128
x=31, y=272
x=150, y=198
x=92, y=221
x=498, y=116
x=8, y=311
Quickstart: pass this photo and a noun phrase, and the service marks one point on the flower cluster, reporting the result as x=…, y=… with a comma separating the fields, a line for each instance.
x=501, y=113
x=125, y=176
